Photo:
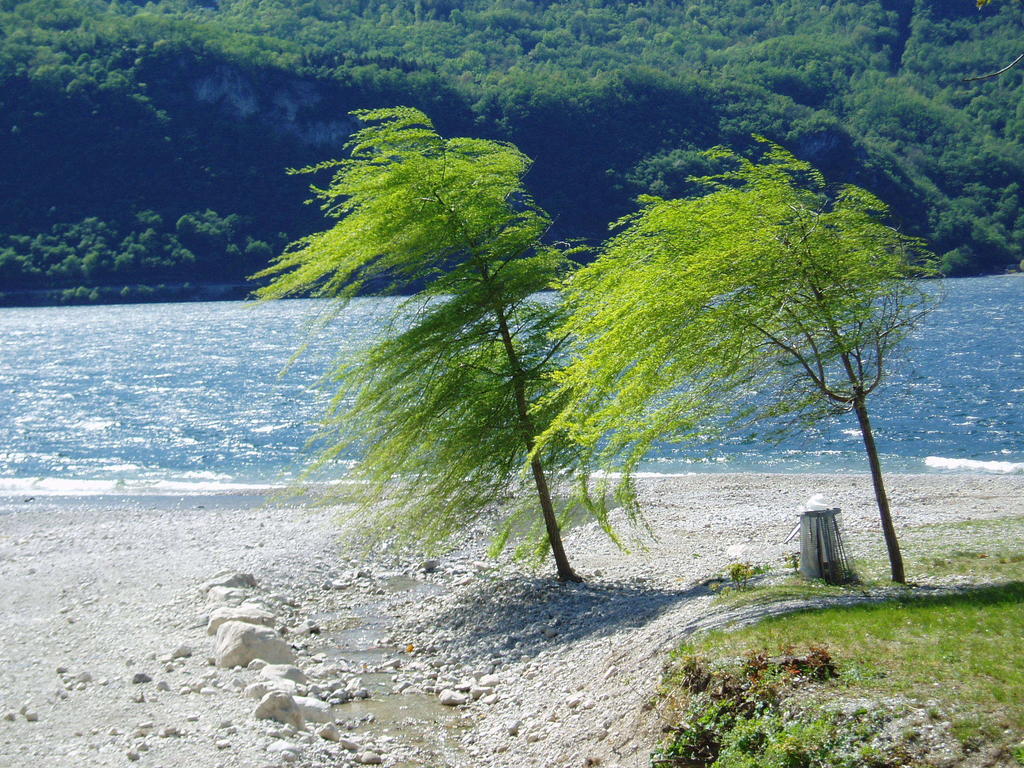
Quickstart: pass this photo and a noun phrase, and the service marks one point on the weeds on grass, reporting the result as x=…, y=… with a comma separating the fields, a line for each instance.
x=740, y=716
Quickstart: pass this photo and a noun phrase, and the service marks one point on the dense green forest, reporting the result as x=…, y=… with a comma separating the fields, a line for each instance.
x=145, y=145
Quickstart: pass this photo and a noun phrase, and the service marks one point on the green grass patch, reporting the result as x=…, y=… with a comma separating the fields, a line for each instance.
x=980, y=550
x=956, y=654
x=739, y=714
x=787, y=589
x=963, y=650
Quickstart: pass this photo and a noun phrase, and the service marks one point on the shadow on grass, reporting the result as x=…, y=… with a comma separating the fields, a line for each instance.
x=528, y=616
x=920, y=597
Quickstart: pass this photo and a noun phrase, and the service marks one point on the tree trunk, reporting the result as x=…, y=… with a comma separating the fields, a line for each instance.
x=565, y=571
x=888, y=530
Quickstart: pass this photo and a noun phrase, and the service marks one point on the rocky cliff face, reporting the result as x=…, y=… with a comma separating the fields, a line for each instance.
x=288, y=105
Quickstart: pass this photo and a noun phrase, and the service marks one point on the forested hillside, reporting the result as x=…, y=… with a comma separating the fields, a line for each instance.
x=146, y=144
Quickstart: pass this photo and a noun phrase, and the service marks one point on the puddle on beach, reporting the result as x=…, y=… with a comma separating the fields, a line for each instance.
x=357, y=635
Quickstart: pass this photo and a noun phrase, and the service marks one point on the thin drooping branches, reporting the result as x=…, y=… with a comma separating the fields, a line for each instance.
x=764, y=304
x=440, y=413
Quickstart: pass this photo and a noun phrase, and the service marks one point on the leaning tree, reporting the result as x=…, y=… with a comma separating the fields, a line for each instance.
x=765, y=301
x=441, y=411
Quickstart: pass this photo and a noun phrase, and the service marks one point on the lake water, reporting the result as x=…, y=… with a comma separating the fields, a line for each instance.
x=189, y=398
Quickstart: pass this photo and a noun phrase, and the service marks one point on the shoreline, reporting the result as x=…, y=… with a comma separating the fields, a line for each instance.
x=102, y=492
x=108, y=586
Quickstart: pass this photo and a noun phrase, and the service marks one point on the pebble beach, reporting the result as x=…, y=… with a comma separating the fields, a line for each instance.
x=113, y=649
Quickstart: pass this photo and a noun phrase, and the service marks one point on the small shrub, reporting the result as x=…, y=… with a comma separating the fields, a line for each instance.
x=740, y=574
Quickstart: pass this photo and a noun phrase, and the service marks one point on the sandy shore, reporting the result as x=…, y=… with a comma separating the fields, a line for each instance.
x=107, y=588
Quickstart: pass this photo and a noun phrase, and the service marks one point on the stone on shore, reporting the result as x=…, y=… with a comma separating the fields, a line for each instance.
x=233, y=579
x=284, y=672
x=181, y=652
x=238, y=643
x=314, y=710
x=451, y=698
x=281, y=707
x=329, y=732
x=246, y=612
x=226, y=596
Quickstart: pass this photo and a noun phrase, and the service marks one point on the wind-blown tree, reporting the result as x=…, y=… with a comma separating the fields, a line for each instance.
x=764, y=302
x=441, y=411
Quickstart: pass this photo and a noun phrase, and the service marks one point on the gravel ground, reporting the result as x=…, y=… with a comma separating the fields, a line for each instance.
x=535, y=673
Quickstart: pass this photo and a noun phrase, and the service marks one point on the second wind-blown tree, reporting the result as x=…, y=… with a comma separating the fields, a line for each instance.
x=441, y=411
x=764, y=305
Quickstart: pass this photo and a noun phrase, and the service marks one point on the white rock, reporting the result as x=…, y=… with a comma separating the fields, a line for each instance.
x=329, y=732
x=247, y=612
x=238, y=643
x=181, y=652
x=451, y=698
x=229, y=579
x=489, y=681
x=226, y=596
x=478, y=691
x=285, y=672
x=314, y=710
x=284, y=746
x=351, y=746
x=369, y=758
x=261, y=688
x=285, y=750
x=281, y=707
x=256, y=690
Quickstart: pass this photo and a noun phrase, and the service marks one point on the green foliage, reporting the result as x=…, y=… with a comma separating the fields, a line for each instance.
x=765, y=279
x=109, y=109
x=740, y=574
x=439, y=408
x=957, y=649
x=92, y=253
x=766, y=301
x=759, y=714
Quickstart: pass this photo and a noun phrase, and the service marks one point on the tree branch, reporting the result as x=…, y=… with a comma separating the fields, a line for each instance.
x=990, y=75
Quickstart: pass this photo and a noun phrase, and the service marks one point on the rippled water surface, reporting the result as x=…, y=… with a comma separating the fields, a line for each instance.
x=189, y=397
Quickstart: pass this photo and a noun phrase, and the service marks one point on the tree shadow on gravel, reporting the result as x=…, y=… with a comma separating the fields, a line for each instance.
x=527, y=616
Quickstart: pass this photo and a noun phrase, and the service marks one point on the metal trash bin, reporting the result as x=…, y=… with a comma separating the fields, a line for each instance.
x=822, y=554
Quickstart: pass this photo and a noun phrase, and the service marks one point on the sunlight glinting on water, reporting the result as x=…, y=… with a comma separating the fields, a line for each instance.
x=181, y=398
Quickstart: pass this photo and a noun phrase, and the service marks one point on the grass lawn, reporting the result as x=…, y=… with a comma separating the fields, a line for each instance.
x=960, y=654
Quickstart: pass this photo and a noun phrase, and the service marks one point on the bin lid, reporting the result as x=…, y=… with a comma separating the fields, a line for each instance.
x=816, y=503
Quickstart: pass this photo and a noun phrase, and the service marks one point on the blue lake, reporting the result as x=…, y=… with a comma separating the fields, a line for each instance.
x=183, y=398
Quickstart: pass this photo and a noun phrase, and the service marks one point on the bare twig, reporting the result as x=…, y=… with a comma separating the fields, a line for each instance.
x=989, y=76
